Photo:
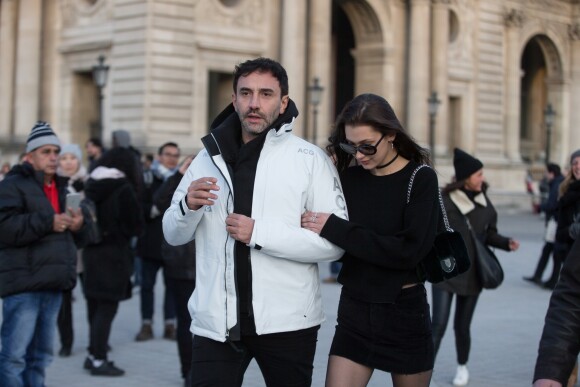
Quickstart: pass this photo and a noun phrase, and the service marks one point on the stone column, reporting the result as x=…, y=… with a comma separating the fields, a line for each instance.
x=28, y=58
x=8, y=11
x=513, y=21
x=293, y=53
x=574, y=122
x=439, y=66
x=418, y=88
x=320, y=66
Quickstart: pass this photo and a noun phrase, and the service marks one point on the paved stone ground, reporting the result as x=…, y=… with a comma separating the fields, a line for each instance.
x=505, y=331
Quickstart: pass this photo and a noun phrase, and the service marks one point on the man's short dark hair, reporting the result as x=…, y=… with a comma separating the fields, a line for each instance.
x=162, y=147
x=262, y=65
x=96, y=142
x=554, y=169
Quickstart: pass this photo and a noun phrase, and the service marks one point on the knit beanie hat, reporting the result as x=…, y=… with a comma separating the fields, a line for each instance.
x=465, y=165
x=121, y=138
x=73, y=149
x=41, y=134
x=574, y=155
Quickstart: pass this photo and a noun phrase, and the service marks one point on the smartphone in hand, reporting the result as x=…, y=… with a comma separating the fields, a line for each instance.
x=73, y=200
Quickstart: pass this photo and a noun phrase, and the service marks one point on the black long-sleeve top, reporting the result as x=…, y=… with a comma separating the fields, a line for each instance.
x=385, y=238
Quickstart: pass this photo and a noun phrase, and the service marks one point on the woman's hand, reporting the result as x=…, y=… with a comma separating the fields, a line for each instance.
x=314, y=221
x=514, y=245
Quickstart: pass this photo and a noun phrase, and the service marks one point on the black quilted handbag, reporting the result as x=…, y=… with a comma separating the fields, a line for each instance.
x=448, y=257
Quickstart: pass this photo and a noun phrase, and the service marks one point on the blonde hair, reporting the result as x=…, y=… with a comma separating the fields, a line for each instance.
x=569, y=179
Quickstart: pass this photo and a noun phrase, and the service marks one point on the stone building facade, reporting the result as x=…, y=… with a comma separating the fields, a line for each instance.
x=495, y=65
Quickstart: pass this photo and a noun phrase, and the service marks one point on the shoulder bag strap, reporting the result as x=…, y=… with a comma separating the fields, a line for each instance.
x=443, y=212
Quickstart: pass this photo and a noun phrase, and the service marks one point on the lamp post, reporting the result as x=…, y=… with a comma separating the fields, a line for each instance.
x=433, y=106
x=315, y=95
x=100, y=72
x=549, y=115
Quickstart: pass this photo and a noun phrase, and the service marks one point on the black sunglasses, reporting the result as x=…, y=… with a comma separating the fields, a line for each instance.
x=365, y=149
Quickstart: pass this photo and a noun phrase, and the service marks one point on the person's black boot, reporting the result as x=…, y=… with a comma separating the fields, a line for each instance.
x=535, y=280
x=550, y=285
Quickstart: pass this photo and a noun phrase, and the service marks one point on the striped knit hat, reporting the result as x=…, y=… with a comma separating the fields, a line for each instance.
x=41, y=134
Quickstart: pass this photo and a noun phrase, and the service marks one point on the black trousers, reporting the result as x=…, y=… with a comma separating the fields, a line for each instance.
x=285, y=359
x=543, y=261
x=181, y=290
x=558, y=257
x=101, y=314
x=65, y=320
x=464, y=310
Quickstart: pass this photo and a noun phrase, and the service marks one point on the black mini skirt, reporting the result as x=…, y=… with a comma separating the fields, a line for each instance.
x=392, y=337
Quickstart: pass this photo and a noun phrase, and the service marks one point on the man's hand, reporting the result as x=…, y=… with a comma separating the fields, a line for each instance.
x=198, y=193
x=77, y=220
x=61, y=222
x=240, y=227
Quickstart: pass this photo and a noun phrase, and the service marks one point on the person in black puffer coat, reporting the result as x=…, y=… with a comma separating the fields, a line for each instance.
x=37, y=259
x=109, y=264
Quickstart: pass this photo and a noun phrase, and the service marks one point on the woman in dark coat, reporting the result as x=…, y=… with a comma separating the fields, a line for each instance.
x=465, y=199
x=109, y=264
x=569, y=207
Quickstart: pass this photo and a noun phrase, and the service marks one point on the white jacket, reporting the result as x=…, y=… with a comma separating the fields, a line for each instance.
x=292, y=176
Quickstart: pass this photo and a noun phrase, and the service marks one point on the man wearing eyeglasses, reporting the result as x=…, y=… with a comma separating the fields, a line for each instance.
x=149, y=244
x=257, y=292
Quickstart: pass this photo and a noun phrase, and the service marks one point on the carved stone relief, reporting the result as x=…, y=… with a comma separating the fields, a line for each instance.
x=243, y=13
x=574, y=31
x=461, y=49
x=78, y=12
x=514, y=18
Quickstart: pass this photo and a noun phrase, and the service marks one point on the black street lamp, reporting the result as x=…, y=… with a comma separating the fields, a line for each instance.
x=315, y=94
x=549, y=115
x=100, y=72
x=433, y=106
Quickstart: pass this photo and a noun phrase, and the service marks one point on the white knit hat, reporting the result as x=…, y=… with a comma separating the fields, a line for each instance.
x=73, y=149
x=41, y=134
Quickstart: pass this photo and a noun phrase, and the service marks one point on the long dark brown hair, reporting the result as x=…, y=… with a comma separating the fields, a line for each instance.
x=376, y=112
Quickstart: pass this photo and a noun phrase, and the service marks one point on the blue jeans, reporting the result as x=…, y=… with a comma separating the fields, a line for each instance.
x=27, y=334
x=335, y=268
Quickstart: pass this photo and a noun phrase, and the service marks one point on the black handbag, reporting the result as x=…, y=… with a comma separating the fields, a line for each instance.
x=448, y=257
x=489, y=269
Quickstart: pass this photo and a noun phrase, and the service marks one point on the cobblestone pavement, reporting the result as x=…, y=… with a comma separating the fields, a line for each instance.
x=505, y=331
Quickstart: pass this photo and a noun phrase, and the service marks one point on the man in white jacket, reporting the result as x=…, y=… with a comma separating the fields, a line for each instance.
x=257, y=289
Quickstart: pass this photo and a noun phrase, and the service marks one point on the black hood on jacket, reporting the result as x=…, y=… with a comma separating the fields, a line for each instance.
x=99, y=190
x=227, y=130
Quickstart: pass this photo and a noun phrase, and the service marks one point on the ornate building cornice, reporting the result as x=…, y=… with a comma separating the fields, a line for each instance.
x=514, y=18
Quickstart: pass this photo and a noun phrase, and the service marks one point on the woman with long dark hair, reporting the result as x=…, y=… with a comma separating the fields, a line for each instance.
x=383, y=315
x=109, y=264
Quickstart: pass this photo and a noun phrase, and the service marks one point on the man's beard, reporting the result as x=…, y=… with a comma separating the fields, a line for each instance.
x=254, y=129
